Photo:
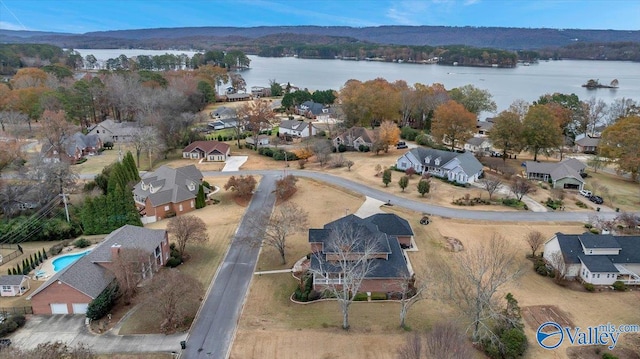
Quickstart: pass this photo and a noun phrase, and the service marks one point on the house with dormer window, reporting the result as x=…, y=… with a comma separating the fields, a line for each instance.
x=167, y=192
x=454, y=166
x=599, y=259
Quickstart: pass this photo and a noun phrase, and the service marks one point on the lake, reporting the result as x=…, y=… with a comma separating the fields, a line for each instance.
x=506, y=85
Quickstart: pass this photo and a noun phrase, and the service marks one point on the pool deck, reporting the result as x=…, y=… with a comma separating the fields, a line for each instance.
x=47, y=265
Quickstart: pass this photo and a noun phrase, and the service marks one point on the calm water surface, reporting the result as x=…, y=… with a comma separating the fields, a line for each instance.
x=506, y=85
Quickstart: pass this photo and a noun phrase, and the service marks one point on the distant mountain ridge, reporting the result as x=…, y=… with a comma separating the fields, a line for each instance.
x=203, y=37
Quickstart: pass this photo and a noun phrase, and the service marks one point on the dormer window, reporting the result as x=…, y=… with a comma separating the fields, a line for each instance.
x=153, y=189
x=427, y=159
x=437, y=161
x=143, y=186
x=191, y=186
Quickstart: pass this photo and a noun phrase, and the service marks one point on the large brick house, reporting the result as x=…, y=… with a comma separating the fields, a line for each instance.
x=70, y=290
x=388, y=232
x=167, y=192
x=74, y=148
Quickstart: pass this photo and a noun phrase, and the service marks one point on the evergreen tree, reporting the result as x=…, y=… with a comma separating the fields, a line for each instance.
x=17, y=269
x=14, y=272
x=44, y=253
x=200, y=199
x=9, y=271
x=130, y=163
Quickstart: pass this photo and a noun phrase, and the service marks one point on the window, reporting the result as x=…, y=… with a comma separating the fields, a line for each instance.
x=180, y=207
x=593, y=275
x=166, y=208
x=598, y=275
x=192, y=204
x=6, y=288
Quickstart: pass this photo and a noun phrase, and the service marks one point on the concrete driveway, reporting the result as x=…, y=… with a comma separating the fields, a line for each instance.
x=71, y=329
x=233, y=163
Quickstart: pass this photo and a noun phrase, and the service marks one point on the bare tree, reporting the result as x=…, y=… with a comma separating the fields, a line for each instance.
x=476, y=276
x=521, y=187
x=145, y=139
x=445, y=340
x=187, y=228
x=56, y=131
x=629, y=220
x=412, y=292
x=490, y=184
x=50, y=350
x=175, y=296
x=346, y=259
x=322, y=150
x=285, y=220
x=534, y=239
x=128, y=267
x=559, y=265
x=243, y=186
x=256, y=116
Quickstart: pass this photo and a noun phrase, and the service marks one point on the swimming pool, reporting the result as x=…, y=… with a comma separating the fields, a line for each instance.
x=64, y=261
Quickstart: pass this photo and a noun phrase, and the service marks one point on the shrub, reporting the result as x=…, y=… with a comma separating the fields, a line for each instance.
x=515, y=343
x=103, y=303
x=408, y=133
x=378, y=296
x=8, y=326
x=19, y=319
x=54, y=250
x=363, y=148
x=82, y=243
x=588, y=225
x=423, y=140
x=609, y=356
x=360, y=297
x=594, y=231
x=589, y=287
x=619, y=286
x=342, y=148
x=173, y=262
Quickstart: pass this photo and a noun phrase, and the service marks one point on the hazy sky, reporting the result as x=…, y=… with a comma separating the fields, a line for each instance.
x=79, y=16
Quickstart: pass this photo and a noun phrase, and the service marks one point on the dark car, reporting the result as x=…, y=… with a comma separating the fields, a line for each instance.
x=401, y=145
x=596, y=199
x=4, y=343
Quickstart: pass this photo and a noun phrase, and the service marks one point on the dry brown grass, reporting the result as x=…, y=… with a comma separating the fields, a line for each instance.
x=272, y=326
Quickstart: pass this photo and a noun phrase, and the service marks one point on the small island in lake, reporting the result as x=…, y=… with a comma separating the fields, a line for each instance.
x=595, y=84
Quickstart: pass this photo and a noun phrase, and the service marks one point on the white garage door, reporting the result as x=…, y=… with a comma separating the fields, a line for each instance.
x=80, y=308
x=59, y=308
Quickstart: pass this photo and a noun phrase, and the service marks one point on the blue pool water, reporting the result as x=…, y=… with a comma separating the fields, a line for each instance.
x=64, y=261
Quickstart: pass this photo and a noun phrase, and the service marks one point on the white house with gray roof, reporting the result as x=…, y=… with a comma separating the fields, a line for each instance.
x=70, y=290
x=167, y=192
x=566, y=174
x=13, y=285
x=297, y=128
x=599, y=259
x=454, y=166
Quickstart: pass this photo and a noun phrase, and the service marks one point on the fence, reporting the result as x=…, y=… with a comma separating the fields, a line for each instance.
x=16, y=253
x=16, y=310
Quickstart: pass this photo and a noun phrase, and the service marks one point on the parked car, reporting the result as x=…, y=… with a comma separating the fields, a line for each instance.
x=401, y=145
x=596, y=199
x=4, y=342
x=586, y=193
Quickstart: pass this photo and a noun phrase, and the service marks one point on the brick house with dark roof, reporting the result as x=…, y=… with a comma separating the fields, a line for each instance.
x=75, y=147
x=599, y=259
x=167, y=192
x=70, y=290
x=210, y=151
x=391, y=267
x=355, y=137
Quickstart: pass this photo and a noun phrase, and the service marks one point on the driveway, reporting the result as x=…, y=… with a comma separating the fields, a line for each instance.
x=71, y=329
x=233, y=163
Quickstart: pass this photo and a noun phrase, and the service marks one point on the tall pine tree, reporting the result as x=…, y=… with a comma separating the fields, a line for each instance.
x=200, y=199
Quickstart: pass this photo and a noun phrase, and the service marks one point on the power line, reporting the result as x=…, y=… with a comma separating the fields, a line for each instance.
x=33, y=220
x=14, y=15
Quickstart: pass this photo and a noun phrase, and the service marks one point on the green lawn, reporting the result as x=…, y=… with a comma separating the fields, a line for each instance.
x=624, y=193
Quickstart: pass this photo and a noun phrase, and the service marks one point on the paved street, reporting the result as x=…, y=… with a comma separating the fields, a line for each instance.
x=212, y=333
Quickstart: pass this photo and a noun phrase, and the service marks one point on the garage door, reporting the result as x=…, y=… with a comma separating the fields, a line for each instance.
x=59, y=308
x=80, y=308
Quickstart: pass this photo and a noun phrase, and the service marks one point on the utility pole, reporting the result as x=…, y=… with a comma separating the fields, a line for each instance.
x=66, y=208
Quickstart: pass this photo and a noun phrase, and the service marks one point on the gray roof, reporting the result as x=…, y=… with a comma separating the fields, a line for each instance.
x=588, y=141
x=116, y=128
x=294, y=125
x=354, y=133
x=557, y=170
x=598, y=264
x=467, y=160
x=477, y=141
x=12, y=279
x=224, y=112
x=383, y=227
x=571, y=247
x=91, y=278
x=172, y=184
x=590, y=240
x=313, y=107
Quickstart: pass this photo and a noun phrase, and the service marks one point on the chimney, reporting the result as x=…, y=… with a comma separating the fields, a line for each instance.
x=115, y=250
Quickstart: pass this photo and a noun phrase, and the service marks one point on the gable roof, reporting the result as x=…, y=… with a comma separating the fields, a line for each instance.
x=571, y=247
x=569, y=167
x=224, y=112
x=590, y=240
x=383, y=227
x=208, y=147
x=12, y=279
x=116, y=128
x=90, y=278
x=588, y=141
x=598, y=264
x=313, y=107
x=172, y=184
x=294, y=125
x=354, y=133
x=477, y=141
x=466, y=160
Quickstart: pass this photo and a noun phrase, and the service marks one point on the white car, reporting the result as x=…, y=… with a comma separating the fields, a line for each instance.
x=585, y=193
